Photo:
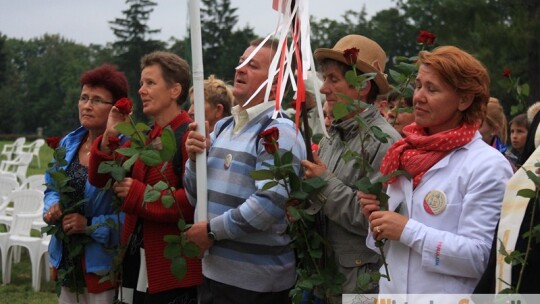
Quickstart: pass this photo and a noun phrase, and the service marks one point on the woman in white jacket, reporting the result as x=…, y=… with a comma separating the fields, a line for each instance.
x=439, y=240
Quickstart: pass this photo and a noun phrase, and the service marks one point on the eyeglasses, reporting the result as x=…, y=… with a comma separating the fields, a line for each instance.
x=94, y=101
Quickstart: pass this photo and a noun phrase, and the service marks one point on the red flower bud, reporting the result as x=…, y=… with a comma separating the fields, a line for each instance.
x=426, y=37
x=507, y=72
x=114, y=143
x=53, y=141
x=270, y=147
x=270, y=134
x=270, y=138
x=351, y=55
x=124, y=105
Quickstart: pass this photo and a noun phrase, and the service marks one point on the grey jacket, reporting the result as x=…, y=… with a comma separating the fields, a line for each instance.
x=346, y=227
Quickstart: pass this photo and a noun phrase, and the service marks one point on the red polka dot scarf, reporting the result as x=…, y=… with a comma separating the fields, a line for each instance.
x=418, y=152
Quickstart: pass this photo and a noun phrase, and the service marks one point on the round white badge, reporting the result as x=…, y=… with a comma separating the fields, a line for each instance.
x=228, y=161
x=435, y=202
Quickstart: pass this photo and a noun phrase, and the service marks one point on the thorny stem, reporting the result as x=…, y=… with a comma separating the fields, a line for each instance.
x=139, y=134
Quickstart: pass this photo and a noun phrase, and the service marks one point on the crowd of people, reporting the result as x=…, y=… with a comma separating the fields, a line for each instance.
x=441, y=229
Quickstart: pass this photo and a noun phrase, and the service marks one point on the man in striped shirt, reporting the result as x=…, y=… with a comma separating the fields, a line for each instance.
x=248, y=258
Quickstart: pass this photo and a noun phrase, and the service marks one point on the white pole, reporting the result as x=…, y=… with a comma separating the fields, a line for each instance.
x=198, y=94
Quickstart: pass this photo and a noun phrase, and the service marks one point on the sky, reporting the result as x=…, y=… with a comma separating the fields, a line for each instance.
x=87, y=21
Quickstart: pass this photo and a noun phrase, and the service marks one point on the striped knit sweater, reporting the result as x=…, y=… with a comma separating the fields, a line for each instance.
x=157, y=220
x=252, y=248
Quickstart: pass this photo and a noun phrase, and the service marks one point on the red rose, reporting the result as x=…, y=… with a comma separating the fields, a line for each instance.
x=351, y=55
x=114, y=143
x=124, y=105
x=426, y=37
x=270, y=135
x=53, y=141
x=271, y=147
x=507, y=72
x=270, y=138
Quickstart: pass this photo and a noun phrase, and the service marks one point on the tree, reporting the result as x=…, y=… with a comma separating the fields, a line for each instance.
x=222, y=46
x=133, y=42
x=43, y=77
x=509, y=41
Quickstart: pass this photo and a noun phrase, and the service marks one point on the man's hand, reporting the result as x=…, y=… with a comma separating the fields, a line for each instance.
x=196, y=142
x=198, y=235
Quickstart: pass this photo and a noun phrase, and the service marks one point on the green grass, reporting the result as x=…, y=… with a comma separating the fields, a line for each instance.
x=20, y=291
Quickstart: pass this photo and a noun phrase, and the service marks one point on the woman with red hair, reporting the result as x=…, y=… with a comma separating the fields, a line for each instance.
x=441, y=220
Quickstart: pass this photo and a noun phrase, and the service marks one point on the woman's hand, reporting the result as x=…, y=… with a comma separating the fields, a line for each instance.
x=53, y=214
x=387, y=225
x=315, y=168
x=121, y=188
x=74, y=223
x=368, y=203
x=115, y=117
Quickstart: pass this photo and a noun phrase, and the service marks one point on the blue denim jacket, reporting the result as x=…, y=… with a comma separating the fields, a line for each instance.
x=98, y=208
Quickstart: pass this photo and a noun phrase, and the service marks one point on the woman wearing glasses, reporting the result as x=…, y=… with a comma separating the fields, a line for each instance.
x=100, y=88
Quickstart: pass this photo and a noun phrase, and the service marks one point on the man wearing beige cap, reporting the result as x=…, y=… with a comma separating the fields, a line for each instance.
x=345, y=226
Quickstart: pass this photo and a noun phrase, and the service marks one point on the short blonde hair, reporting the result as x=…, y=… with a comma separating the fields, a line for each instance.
x=216, y=91
x=496, y=118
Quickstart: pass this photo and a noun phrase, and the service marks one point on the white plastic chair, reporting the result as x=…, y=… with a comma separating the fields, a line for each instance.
x=10, y=151
x=18, y=166
x=19, y=235
x=26, y=201
x=7, y=186
x=34, y=148
x=11, y=175
x=36, y=181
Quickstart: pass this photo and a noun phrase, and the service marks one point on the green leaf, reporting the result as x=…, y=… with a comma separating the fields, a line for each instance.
x=379, y=134
x=525, y=90
x=294, y=213
x=261, y=175
x=528, y=193
x=181, y=224
x=127, y=151
x=171, y=238
x=351, y=78
x=363, y=184
x=172, y=250
x=125, y=128
x=150, y=158
x=191, y=250
x=142, y=127
x=167, y=201
x=532, y=176
x=295, y=182
x=179, y=267
x=287, y=158
x=129, y=162
x=315, y=182
x=161, y=185
x=269, y=185
x=151, y=195
x=301, y=195
x=118, y=173
x=397, y=76
x=168, y=143
x=104, y=167
x=340, y=110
